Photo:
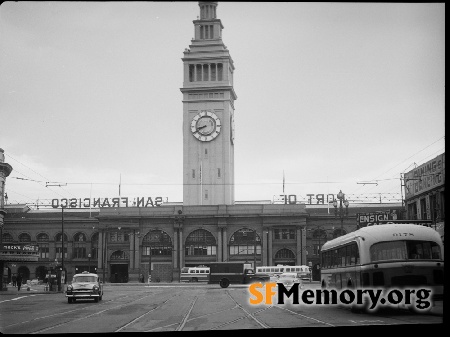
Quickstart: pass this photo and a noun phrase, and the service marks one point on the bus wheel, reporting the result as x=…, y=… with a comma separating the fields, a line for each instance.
x=224, y=283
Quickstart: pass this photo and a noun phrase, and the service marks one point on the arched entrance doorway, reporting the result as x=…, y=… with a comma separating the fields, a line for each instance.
x=25, y=273
x=41, y=273
x=156, y=258
x=119, y=267
x=285, y=257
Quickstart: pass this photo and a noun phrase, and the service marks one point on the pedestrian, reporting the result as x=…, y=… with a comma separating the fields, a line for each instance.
x=14, y=280
x=19, y=281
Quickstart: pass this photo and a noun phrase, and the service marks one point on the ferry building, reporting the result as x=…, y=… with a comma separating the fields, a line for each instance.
x=126, y=240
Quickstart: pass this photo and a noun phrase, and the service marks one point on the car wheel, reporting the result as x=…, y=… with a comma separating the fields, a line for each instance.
x=96, y=299
x=73, y=300
x=224, y=283
x=69, y=300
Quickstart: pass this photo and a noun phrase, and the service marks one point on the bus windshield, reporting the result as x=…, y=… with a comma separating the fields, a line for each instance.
x=402, y=250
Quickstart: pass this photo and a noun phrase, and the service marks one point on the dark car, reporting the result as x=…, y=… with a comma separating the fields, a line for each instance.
x=84, y=286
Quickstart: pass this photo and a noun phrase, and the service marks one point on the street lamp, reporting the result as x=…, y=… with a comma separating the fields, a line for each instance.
x=341, y=212
x=62, y=244
x=89, y=256
x=254, y=252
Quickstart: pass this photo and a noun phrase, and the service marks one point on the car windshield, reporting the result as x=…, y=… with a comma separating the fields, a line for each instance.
x=84, y=279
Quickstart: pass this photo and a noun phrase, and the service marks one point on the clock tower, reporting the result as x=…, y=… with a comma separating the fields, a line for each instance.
x=208, y=114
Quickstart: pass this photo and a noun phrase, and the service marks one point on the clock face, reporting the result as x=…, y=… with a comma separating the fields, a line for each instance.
x=205, y=126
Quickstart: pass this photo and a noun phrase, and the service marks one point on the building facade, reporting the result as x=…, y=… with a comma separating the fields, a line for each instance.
x=153, y=242
x=124, y=244
x=425, y=193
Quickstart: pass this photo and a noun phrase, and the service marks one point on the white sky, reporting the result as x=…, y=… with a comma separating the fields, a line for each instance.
x=333, y=94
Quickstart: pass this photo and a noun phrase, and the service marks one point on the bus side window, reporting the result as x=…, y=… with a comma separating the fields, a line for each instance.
x=348, y=255
x=353, y=254
x=357, y=253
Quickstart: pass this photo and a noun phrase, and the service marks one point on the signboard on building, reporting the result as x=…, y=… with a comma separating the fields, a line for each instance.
x=375, y=218
x=19, y=252
x=108, y=202
x=425, y=177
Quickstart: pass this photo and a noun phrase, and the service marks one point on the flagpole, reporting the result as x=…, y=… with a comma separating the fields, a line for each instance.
x=201, y=183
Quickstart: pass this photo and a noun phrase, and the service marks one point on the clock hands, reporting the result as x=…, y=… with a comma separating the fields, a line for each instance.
x=201, y=127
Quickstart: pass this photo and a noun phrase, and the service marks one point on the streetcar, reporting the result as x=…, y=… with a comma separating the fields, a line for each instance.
x=194, y=274
x=390, y=255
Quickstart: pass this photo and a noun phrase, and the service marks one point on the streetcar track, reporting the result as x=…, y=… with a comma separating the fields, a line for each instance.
x=138, y=318
x=181, y=324
x=90, y=315
x=304, y=316
x=63, y=313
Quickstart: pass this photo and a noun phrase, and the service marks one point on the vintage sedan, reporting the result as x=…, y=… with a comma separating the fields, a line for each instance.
x=288, y=279
x=84, y=286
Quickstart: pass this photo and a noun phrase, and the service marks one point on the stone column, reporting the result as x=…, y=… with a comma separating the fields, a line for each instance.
x=270, y=246
x=225, y=244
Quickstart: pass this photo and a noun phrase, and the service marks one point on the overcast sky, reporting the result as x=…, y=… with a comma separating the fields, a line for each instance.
x=331, y=94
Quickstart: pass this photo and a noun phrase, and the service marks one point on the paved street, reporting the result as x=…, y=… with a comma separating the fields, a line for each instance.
x=178, y=307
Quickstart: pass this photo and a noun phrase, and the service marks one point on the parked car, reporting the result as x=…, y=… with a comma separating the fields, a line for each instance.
x=274, y=277
x=83, y=286
x=288, y=279
x=35, y=281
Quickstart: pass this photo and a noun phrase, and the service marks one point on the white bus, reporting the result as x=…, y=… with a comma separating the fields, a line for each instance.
x=194, y=274
x=389, y=255
x=274, y=271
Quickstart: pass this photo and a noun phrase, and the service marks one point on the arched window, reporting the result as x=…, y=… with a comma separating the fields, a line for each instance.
x=43, y=239
x=320, y=234
x=119, y=255
x=157, y=242
x=244, y=241
x=79, y=246
x=58, y=237
x=338, y=232
x=24, y=237
x=6, y=237
x=285, y=253
x=79, y=237
x=200, y=242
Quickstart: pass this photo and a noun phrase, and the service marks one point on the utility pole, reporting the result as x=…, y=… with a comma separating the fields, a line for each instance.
x=62, y=248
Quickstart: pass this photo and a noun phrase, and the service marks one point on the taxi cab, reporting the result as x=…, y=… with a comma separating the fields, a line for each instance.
x=84, y=286
x=289, y=278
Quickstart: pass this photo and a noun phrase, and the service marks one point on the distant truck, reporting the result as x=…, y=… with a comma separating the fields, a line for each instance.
x=226, y=273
